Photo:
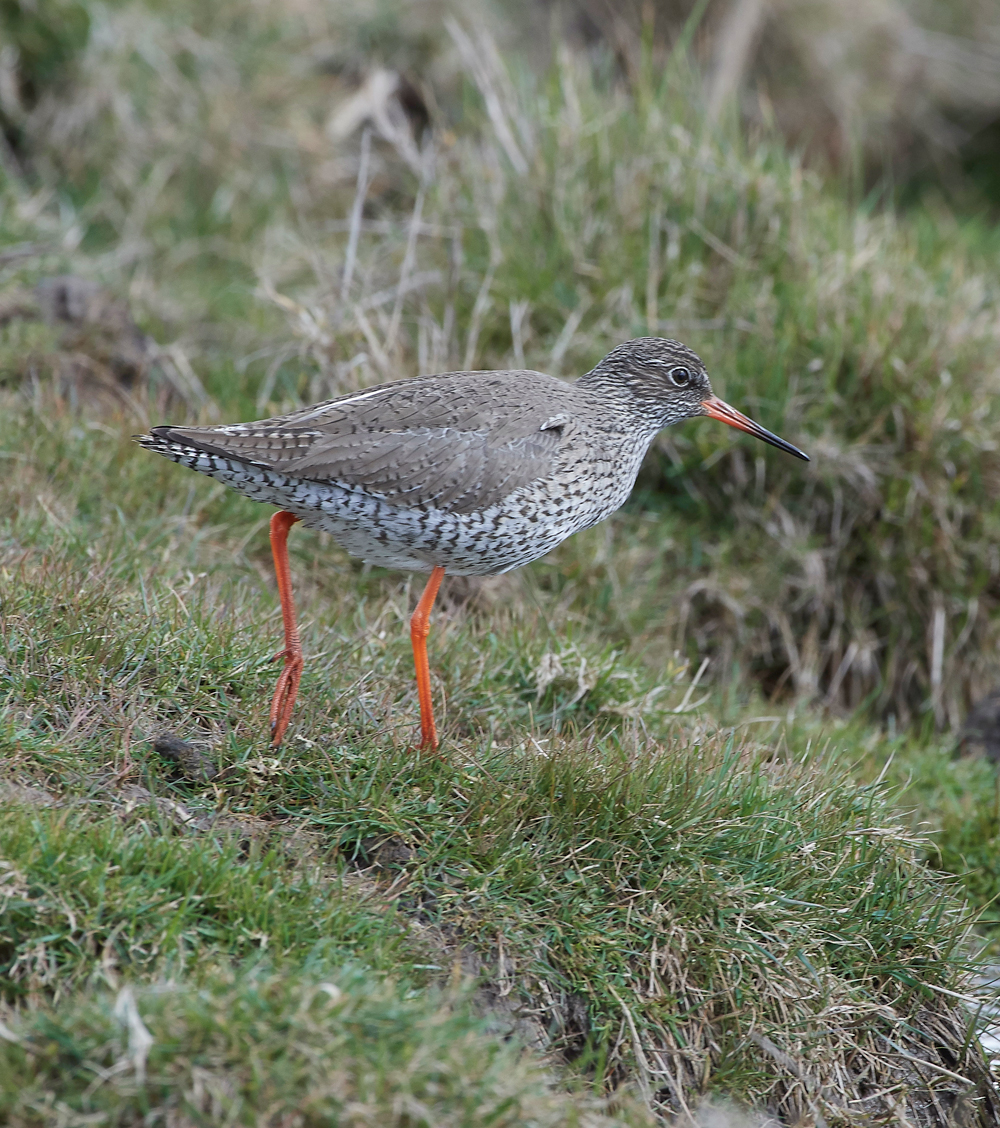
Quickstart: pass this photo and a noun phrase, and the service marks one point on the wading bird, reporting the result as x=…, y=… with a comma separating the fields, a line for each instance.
x=472, y=473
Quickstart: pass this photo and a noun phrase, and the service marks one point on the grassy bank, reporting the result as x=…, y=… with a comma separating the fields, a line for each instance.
x=664, y=877
x=653, y=899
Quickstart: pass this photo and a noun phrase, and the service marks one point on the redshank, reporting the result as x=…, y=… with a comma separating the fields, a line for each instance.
x=472, y=473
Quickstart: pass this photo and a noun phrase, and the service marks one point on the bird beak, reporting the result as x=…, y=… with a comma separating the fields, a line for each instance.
x=719, y=409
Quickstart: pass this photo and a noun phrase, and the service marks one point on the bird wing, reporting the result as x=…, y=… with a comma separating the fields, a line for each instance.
x=460, y=442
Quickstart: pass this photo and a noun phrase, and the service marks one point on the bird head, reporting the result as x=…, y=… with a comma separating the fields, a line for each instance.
x=668, y=383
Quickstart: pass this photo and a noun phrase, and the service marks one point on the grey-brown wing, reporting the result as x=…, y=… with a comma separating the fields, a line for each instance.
x=460, y=471
x=452, y=442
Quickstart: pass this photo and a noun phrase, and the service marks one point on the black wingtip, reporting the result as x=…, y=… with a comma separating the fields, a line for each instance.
x=155, y=436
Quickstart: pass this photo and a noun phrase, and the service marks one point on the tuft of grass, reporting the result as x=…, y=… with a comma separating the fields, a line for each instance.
x=264, y=1047
x=86, y=900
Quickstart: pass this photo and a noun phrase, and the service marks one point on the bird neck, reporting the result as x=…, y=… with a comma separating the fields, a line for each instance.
x=614, y=397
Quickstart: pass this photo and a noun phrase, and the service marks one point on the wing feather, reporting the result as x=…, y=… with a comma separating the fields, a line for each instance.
x=460, y=443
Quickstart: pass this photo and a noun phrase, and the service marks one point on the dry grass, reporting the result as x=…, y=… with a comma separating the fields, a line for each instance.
x=868, y=339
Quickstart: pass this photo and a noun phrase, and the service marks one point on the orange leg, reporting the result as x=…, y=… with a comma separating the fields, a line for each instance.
x=288, y=683
x=420, y=626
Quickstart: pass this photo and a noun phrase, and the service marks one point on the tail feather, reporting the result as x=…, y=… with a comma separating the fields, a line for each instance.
x=162, y=442
x=188, y=451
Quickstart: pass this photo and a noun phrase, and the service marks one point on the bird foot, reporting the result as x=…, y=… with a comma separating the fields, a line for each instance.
x=428, y=743
x=285, y=693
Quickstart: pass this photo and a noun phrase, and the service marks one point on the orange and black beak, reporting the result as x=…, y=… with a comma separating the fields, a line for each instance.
x=719, y=409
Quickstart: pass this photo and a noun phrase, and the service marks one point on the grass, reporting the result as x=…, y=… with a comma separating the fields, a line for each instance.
x=268, y=1048
x=661, y=892
x=92, y=899
x=634, y=886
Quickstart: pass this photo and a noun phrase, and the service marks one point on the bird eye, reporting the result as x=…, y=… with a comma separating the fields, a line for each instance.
x=680, y=376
